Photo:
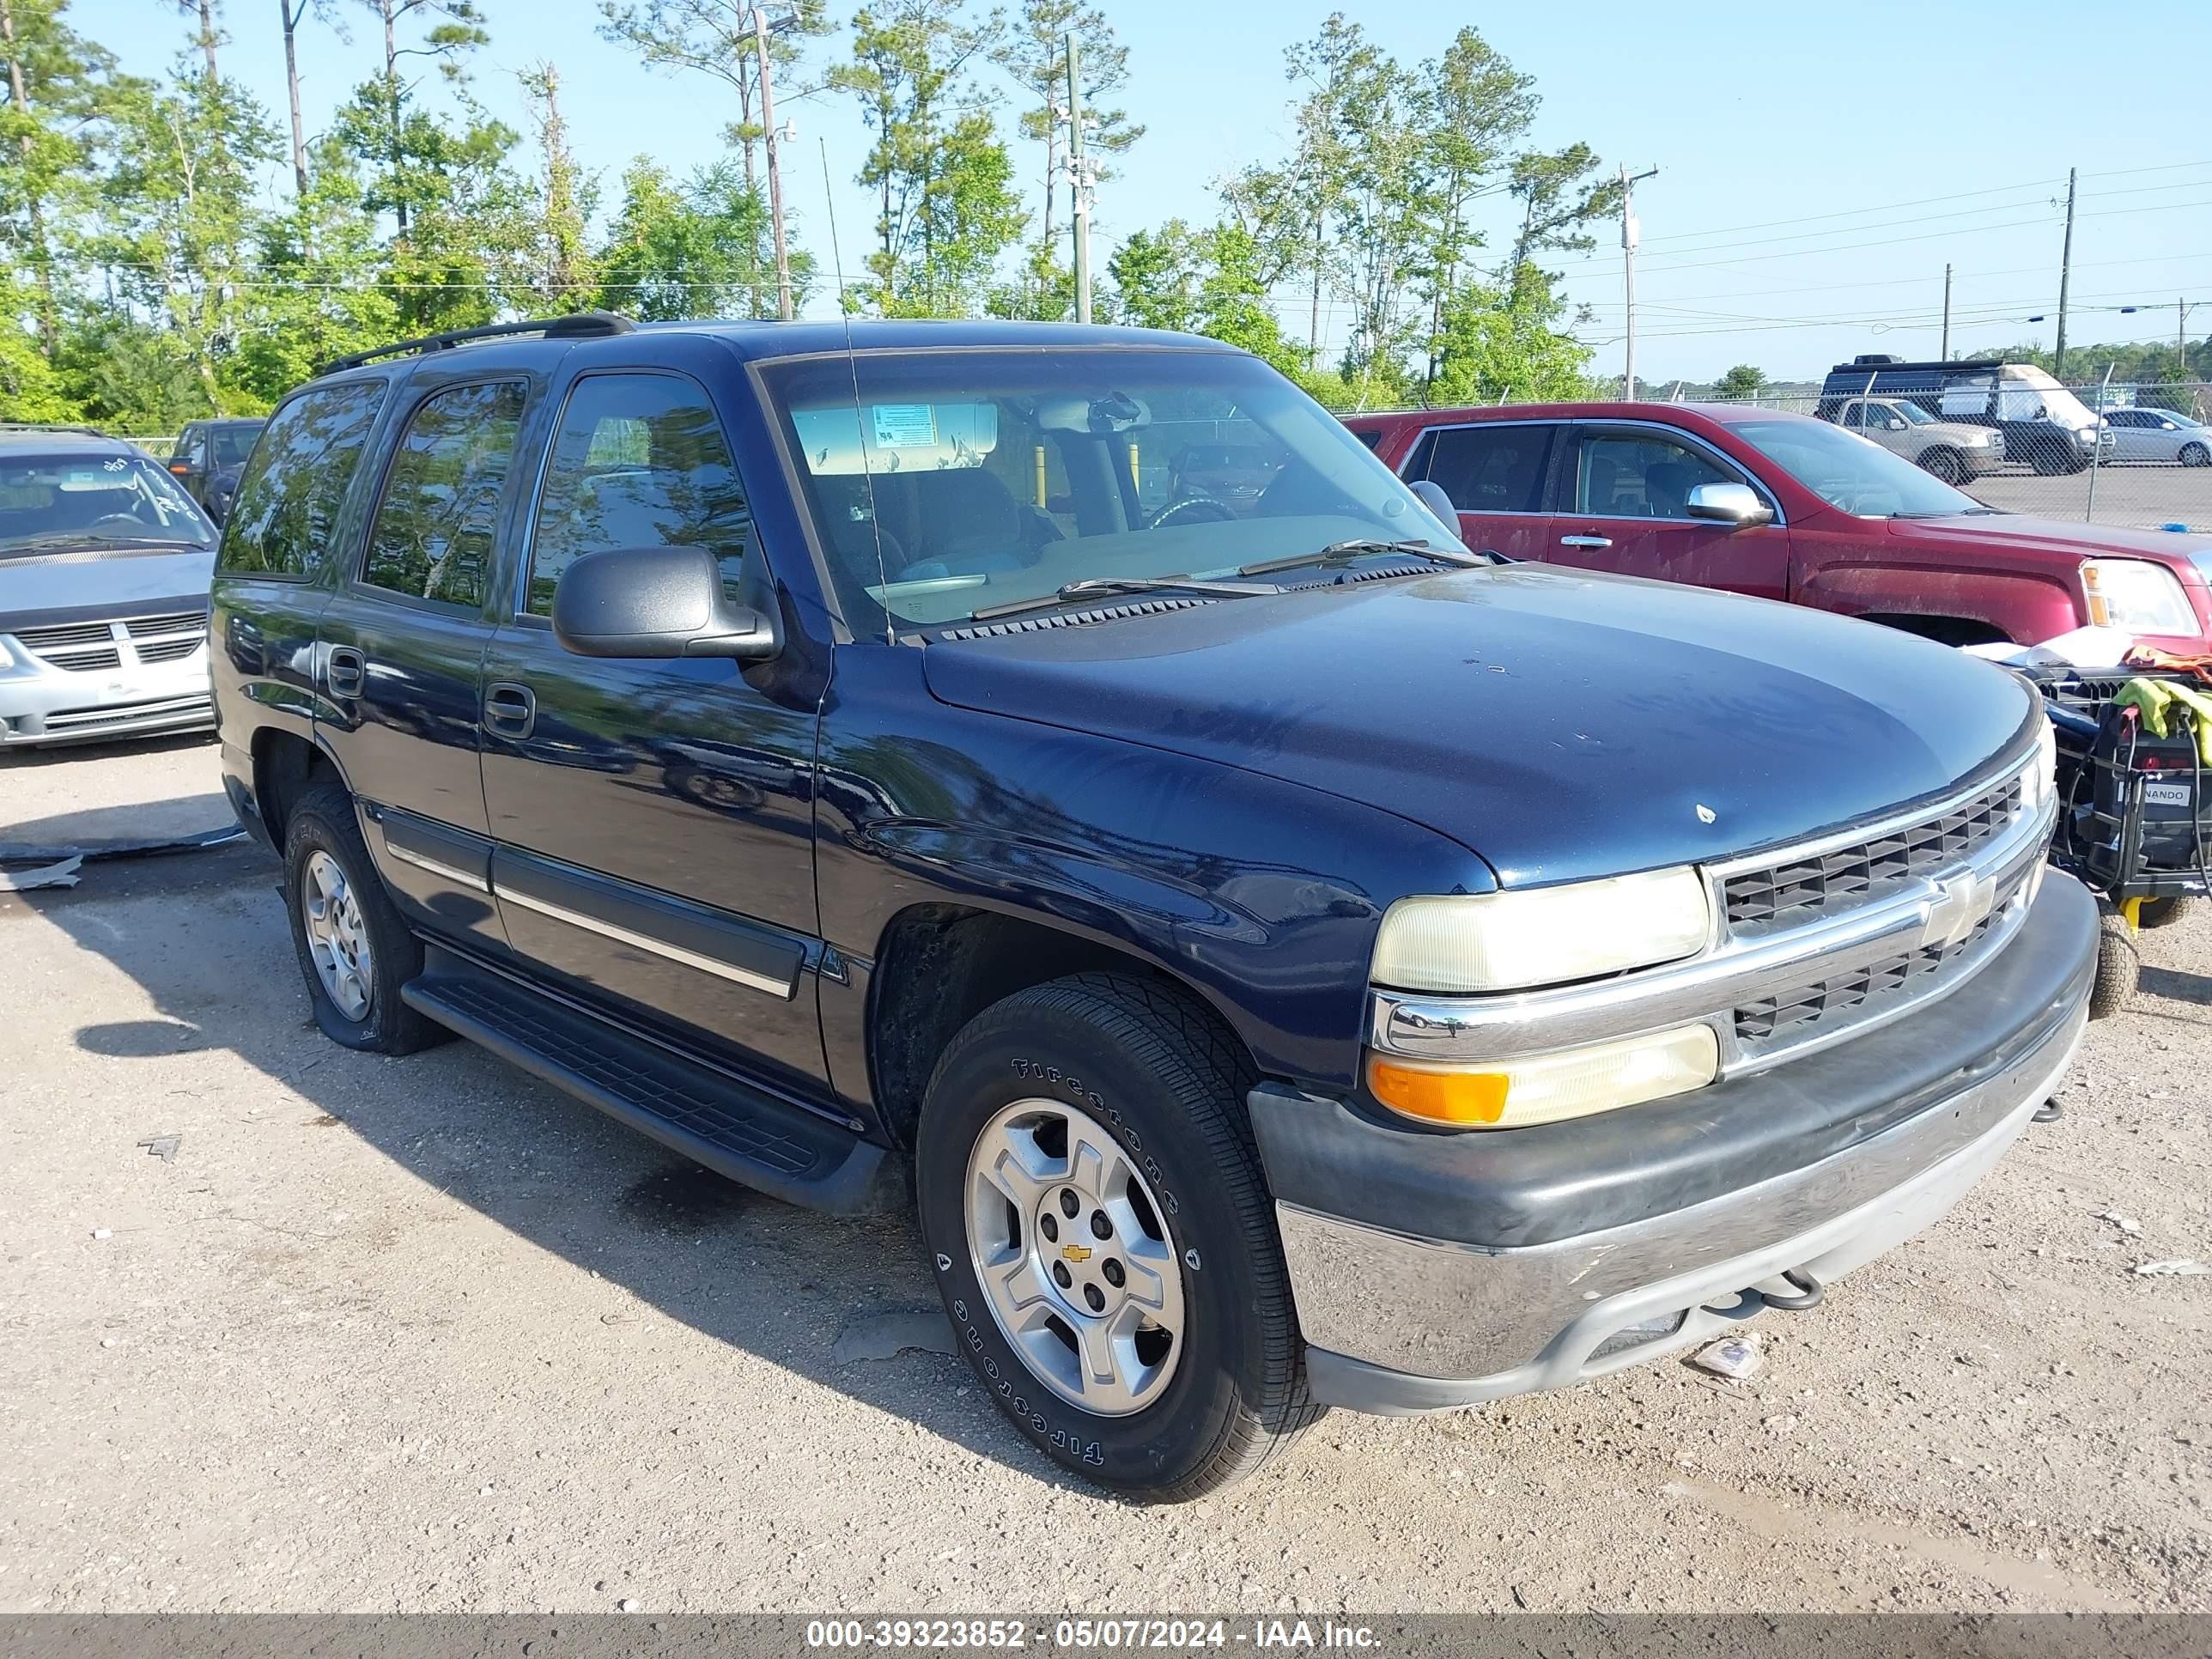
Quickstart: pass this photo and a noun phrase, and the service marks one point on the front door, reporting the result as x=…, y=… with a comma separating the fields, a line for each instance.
x=1495, y=472
x=1625, y=508
x=653, y=819
x=401, y=647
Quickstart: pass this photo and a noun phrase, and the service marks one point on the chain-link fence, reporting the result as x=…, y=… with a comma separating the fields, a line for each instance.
x=2101, y=452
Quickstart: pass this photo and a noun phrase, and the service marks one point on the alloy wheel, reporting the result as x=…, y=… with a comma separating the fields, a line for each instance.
x=1074, y=1257
x=337, y=935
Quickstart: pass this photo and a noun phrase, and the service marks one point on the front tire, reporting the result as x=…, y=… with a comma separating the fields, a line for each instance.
x=2119, y=965
x=1945, y=464
x=1099, y=1228
x=355, y=951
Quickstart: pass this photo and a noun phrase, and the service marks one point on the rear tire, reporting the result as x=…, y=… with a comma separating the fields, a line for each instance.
x=2196, y=455
x=2164, y=912
x=1945, y=464
x=1120, y=1085
x=2118, y=965
x=353, y=947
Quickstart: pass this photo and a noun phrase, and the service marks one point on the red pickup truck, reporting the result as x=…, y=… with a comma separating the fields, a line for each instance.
x=1788, y=508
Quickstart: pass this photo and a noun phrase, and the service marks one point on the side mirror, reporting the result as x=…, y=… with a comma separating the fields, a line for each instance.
x=1432, y=496
x=654, y=602
x=1727, y=503
x=1897, y=424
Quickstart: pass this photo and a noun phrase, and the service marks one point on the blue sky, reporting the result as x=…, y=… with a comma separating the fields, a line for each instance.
x=1818, y=163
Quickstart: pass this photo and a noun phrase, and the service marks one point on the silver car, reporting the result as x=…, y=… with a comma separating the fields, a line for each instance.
x=2159, y=435
x=104, y=565
x=1954, y=451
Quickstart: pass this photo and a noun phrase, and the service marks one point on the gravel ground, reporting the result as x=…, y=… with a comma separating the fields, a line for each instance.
x=424, y=1335
x=2145, y=498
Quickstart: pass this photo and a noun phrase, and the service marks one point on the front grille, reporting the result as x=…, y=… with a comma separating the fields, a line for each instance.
x=1861, y=990
x=147, y=627
x=89, y=720
x=43, y=640
x=1799, y=891
x=170, y=650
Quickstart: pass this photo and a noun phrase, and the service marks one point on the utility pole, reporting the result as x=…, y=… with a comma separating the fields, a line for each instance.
x=774, y=169
x=1945, y=353
x=2065, y=275
x=1080, y=215
x=1629, y=232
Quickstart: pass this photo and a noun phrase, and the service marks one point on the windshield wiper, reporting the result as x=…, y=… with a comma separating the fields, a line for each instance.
x=1344, y=552
x=1092, y=587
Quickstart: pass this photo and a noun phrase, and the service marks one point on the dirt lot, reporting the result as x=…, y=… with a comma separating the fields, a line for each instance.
x=424, y=1334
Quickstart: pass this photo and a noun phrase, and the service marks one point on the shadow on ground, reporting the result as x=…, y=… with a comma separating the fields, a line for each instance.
x=843, y=1302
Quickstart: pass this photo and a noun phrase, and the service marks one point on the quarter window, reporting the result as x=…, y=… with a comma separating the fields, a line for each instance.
x=1487, y=468
x=436, y=525
x=639, y=461
x=1640, y=476
x=287, y=501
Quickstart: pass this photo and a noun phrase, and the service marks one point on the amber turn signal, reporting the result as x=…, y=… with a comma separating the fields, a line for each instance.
x=1460, y=1098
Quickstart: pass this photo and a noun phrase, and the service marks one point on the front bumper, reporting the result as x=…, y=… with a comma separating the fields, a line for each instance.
x=43, y=704
x=1397, y=1321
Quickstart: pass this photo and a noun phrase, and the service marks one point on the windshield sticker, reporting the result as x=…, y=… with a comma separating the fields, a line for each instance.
x=905, y=426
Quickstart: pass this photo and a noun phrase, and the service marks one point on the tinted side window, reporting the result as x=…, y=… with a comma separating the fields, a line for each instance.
x=1490, y=469
x=289, y=499
x=1638, y=477
x=435, y=528
x=639, y=461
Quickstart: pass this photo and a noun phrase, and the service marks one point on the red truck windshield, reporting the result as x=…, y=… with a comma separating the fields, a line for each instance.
x=1847, y=471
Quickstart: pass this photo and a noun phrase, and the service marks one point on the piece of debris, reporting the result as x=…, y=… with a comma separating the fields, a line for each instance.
x=2179, y=1268
x=46, y=875
x=626, y=1605
x=2126, y=1223
x=1784, y=1423
x=103, y=1232
x=1734, y=1357
x=881, y=1336
x=163, y=1147
x=325, y=1121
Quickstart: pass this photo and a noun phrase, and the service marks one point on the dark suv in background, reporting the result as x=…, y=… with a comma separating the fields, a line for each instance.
x=209, y=456
x=1059, y=777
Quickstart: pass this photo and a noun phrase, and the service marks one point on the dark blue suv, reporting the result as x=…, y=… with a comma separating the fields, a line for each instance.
x=1290, y=959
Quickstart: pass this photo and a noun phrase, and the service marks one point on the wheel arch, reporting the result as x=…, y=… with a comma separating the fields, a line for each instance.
x=285, y=765
x=938, y=965
x=1944, y=630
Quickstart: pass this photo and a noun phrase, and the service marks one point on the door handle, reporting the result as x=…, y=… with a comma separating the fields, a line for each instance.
x=345, y=672
x=510, y=709
x=1585, y=541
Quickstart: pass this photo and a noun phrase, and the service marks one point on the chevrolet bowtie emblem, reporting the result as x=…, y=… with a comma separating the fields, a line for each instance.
x=1961, y=902
x=1076, y=1252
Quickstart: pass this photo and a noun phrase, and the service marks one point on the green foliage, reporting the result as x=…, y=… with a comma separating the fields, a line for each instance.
x=1744, y=381
x=688, y=249
x=943, y=181
x=1508, y=342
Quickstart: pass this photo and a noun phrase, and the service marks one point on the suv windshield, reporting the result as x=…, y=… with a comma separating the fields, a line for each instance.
x=960, y=480
x=1846, y=472
x=76, y=500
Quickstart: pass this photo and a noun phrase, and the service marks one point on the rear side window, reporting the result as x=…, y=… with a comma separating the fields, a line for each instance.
x=1487, y=468
x=639, y=461
x=439, y=516
x=289, y=499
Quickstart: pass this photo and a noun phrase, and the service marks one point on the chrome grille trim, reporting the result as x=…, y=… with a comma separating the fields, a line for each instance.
x=1738, y=971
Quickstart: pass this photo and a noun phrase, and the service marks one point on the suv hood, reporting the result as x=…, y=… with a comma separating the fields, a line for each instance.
x=102, y=585
x=2080, y=541
x=1560, y=724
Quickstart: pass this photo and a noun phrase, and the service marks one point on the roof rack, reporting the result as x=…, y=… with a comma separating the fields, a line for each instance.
x=50, y=426
x=576, y=326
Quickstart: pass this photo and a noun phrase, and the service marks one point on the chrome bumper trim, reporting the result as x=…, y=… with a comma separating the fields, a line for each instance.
x=1710, y=987
x=1456, y=1323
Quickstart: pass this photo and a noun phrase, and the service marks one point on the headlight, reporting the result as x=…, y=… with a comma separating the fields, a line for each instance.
x=2137, y=595
x=1542, y=936
x=7, y=662
x=1546, y=1088
x=2040, y=781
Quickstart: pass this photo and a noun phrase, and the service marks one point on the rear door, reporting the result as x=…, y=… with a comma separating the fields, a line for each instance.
x=1496, y=473
x=1624, y=488
x=653, y=818
x=402, y=643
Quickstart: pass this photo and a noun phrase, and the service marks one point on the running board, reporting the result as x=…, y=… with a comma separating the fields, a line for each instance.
x=743, y=1132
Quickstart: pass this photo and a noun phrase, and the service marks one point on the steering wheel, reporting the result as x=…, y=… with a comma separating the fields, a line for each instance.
x=131, y=519
x=1192, y=509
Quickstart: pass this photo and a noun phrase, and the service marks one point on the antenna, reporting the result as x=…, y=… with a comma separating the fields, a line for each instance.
x=852, y=369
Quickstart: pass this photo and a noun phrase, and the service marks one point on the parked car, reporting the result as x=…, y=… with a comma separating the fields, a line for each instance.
x=1952, y=451
x=1291, y=961
x=2044, y=425
x=205, y=449
x=104, y=571
x=2160, y=434
x=1785, y=507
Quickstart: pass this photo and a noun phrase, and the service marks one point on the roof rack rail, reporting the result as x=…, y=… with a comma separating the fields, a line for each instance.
x=50, y=426
x=576, y=326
